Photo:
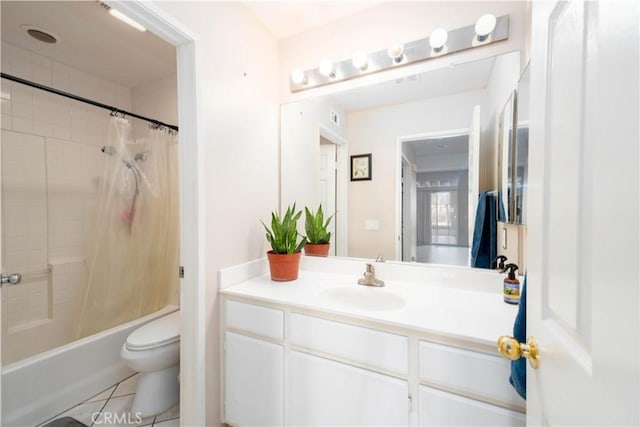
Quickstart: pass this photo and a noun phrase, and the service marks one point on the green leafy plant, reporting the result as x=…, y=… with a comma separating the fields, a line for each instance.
x=316, y=226
x=283, y=235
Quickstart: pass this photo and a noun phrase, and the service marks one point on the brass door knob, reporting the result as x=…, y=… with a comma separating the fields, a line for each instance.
x=511, y=349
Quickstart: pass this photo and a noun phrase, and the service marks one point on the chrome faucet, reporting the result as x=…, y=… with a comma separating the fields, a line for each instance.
x=369, y=278
x=380, y=258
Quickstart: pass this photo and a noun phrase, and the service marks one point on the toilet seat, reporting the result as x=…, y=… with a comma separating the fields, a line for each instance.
x=158, y=333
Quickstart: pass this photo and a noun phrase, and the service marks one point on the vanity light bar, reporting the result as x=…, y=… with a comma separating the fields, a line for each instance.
x=415, y=51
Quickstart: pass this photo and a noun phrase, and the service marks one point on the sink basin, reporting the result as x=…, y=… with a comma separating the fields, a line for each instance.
x=363, y=298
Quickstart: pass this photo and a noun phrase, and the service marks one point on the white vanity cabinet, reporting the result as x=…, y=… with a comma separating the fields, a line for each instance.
x=473, y=381
x=253, y=365
x=289, y=366
x=326, y=392
x=346, y=391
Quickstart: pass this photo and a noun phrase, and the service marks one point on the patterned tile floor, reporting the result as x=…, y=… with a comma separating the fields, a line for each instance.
x=111, y=407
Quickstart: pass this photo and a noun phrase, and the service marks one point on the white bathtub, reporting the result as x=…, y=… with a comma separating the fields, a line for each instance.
x=42, y=386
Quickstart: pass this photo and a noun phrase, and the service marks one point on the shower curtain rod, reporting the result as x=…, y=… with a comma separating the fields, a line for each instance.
x=85, y=100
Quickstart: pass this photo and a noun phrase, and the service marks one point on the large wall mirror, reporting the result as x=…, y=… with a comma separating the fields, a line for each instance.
x=513, y=154
x=432, y=138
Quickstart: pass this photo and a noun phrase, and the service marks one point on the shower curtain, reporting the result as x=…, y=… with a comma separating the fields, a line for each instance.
x=132, y=255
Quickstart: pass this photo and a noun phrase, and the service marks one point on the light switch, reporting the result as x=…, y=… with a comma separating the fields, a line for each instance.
x=371, y=224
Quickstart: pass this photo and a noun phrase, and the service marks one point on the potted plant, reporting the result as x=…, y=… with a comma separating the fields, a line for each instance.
x=284, y=256
x=317, y=235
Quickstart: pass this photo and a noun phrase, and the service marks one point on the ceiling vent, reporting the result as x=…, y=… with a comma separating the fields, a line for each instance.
x=407, y=80
x=40, y=34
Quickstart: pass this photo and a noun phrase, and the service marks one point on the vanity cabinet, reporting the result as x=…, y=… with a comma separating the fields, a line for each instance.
x=253, y=364
x=471, y=379
x=284, y=366
x=327, y=392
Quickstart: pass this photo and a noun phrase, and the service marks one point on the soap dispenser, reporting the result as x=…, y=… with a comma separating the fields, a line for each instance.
x=500, y=260
x=511, y=287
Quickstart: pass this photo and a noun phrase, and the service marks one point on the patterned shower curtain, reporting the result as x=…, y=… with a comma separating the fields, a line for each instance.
x=132, y=254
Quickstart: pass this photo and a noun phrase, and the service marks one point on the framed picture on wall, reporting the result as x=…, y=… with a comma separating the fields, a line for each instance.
x=361, y=167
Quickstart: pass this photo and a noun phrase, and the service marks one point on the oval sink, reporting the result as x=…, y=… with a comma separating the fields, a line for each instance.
x=363, y=298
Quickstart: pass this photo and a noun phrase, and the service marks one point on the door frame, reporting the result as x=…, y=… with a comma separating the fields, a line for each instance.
x=398, y=164
x=192, y=244
x=342, y=181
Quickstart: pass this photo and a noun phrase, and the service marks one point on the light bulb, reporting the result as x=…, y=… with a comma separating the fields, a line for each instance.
x=326, y=69
x=360, y=60
x=484, y=26
x=438, y=39
x=298, y=76
x=396, y=52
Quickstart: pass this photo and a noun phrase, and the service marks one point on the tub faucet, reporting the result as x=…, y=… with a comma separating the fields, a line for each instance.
x=369, y=278
x=380, y=258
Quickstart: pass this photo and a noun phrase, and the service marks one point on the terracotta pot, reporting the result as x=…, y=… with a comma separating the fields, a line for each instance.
x=317, y=250
x=284, y=267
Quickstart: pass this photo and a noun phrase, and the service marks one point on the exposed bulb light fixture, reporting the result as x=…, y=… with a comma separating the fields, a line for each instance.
x=438, y=39
x=326, y=69
x=485, y=26
x=488, y=29
x=396, y=52
x=360, y=60
x=299, y=77
x=124, y=18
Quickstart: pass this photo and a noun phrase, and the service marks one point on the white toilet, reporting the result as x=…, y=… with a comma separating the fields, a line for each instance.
x=154, y=351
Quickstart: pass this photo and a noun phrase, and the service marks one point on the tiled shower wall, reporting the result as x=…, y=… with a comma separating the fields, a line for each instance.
x=51, y=163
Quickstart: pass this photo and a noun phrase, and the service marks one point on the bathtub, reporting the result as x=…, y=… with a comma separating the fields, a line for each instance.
x=42, y=386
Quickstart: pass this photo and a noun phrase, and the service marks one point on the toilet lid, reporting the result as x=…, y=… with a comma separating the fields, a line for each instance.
x=162, y=331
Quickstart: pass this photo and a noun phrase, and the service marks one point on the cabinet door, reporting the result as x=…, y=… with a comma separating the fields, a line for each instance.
x=325, y=392
x=254, y=381
x=439, y=408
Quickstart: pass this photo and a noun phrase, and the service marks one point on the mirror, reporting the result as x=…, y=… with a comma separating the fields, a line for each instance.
x=432, y=138
x=522, y=149
x=506, y=151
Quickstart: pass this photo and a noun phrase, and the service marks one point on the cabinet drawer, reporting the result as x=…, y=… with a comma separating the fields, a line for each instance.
x=380, y=349
x=259, y=320
x=478, y=373
x=439, y=408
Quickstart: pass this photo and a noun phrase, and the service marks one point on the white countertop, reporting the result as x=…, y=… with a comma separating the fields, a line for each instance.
x=442, y=309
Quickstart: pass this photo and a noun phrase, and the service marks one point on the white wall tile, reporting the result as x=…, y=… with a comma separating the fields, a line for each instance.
x=22, y=125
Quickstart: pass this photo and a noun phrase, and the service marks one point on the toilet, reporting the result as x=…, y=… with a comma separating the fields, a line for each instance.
x=153, y=350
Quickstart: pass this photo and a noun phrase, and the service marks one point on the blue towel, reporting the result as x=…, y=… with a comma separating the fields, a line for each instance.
x=484, y=248
x=518, y=377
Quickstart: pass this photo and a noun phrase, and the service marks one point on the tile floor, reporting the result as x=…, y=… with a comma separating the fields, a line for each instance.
x=117, y=400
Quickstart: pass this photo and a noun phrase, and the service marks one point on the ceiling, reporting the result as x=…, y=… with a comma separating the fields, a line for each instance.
x=449, y=145
x=93, y=41
x=90, y=40
x=286, y=18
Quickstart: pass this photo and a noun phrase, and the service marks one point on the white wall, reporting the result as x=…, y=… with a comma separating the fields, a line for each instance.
x=376, y=131
x=240, y=109
x=157, y=100
x=502, y=82
x=51, y=162
x=300, y=148
x=393, y=22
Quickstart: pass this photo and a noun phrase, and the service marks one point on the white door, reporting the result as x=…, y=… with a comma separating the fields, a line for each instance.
x=474, y=169
x=327, y=188
x=583, y=230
